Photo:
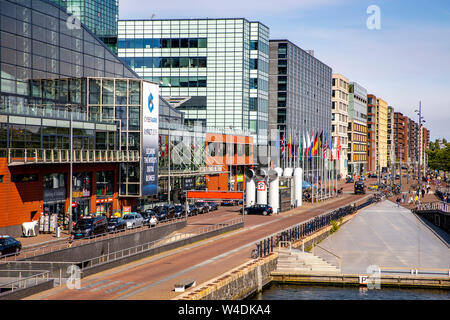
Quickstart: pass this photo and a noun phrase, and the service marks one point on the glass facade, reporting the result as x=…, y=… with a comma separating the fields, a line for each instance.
x=43, y=59
x=99, y=16
x=224, y=61
x=299, y=95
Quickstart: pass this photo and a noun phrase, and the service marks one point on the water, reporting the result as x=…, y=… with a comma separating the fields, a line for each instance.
x=303, y=292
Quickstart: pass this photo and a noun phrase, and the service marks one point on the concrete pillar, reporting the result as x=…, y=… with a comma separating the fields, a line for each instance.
x=298, y=189
x=274, y=188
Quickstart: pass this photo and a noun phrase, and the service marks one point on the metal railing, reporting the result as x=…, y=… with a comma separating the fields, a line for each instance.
x=433, y=206
x=31, y=156
x=306, y=228
x=24, y=282
x=109, y=257
x=334, y=255
x=416, y=271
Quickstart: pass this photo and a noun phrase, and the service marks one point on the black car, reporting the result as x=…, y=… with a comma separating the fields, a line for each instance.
x=116, y=224
x=202, y=207
x=89, y=227
x=9, y=245
x=160, y=212
x=180, y=211
x=360, y=187
x=192, y=210
x=263, y=209
x=349, y=180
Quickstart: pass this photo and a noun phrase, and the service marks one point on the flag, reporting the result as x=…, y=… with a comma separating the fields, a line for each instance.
x=290, y=147
x=316, y=144
x=311, y=145
x=339, y=148
x=320, y=140
x=283, y=144
x=325, y=147
x=304, y=145
x=331, y=148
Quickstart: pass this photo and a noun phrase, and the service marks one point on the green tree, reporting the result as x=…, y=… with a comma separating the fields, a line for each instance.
x=439, y=159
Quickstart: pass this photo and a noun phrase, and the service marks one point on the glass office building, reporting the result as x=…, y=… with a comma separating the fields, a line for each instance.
x=219, y=66
x=300, y=101
x=99, y=16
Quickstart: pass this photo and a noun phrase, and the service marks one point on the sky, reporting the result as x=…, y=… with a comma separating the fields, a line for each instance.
x=406, y=61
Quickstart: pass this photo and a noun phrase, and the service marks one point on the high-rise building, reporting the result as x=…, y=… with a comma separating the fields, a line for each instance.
x=357, y=129
x=401, y=127
x=339, y=120
x=99, y=16
x=382, y=135
x=372, y=129
x=299, y=97
x=391, y=156
x=215, y=69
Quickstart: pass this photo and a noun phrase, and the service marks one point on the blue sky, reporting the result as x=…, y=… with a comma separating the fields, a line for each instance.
x=406, y=61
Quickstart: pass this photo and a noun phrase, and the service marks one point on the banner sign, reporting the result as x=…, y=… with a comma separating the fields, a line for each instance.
x=150, y=138
x=215, y=195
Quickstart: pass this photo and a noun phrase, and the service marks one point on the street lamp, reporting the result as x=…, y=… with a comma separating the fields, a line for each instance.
x=70, y=109
x=419, y=113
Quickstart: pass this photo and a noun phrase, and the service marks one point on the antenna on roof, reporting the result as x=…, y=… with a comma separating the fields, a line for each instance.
x=153, y=15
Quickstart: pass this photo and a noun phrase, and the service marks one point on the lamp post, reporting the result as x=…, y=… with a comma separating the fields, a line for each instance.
x=70, y=109
x=419, y=113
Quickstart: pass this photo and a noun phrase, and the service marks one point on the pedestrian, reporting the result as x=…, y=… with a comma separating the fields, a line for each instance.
x=398, y=202
x=423, y=192
x=403, y=198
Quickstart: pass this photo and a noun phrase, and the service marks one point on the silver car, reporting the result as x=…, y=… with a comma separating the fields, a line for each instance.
x=133, y=220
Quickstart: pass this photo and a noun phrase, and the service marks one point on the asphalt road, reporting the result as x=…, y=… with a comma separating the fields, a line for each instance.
x=153, y=278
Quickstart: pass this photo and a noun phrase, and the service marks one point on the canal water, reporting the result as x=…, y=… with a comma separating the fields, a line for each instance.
x=301, y=292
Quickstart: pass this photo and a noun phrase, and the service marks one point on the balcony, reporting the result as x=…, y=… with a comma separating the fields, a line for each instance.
x=18, y=157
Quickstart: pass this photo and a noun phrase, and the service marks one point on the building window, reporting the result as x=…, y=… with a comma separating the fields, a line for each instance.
x=24, y=177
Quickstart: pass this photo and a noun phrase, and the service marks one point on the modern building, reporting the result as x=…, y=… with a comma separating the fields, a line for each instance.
x=99, y=16
x=401, y=126
x=215, y=69
x=299, y=99
x=62, y=87
x=372, y=129
x=382, y=135
x=391, y=156
x=339, y=118
x=357, y=129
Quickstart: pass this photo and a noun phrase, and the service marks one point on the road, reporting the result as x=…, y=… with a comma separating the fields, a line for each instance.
x=153, y=278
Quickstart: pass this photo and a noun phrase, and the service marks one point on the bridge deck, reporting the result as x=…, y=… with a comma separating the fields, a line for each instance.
x=387, y=236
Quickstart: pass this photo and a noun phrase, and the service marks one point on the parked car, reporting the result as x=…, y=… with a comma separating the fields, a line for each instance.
x=202, y=207
x=360, y=187
x=161, y=213
x=89, y=227
x=133, y=220
x=170, y=208
x=116, y=224
x=180, y=211
x=349, y=180
x=263, y=209
x=192, y=210
x=9, y=245
x=228, y=203
x=213, y=206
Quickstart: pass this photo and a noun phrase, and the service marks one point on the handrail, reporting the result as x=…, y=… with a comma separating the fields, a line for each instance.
x=45, y=276
x=32, y=252
x=415, y=271
x=339, y=258
x=37, y=155
x=153, y=244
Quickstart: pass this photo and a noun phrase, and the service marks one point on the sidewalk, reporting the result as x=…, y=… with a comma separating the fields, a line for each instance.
x=42, y=239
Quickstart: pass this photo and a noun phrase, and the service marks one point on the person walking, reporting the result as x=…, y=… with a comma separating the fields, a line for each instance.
x=398, y=202
x=423, y=193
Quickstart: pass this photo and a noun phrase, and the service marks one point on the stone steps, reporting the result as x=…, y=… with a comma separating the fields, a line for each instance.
x=296, y=261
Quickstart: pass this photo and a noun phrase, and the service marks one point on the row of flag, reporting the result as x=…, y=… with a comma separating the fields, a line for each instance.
x=311, y=146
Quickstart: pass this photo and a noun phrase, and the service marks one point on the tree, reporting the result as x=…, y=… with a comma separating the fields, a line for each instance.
x=439, y=159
